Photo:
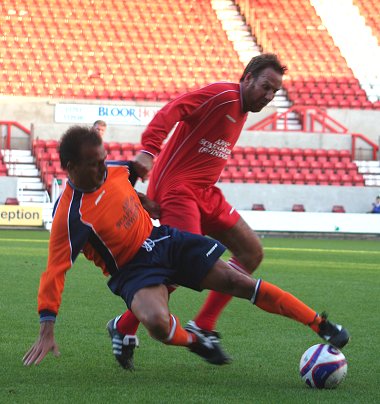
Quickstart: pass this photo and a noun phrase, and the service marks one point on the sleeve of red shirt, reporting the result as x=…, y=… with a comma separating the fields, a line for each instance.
x=175, y=111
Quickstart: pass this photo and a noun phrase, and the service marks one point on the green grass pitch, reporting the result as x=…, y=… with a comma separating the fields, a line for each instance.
x=339, y=276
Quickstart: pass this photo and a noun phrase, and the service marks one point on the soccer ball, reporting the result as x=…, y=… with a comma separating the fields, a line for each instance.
x=323, y=367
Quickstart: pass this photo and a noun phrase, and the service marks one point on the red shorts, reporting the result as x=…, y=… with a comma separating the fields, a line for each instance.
x=196, y=210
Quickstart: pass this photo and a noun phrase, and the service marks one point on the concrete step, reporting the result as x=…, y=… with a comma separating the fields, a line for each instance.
x=280, y=103
x=33, y=196
x=32, y=186
x=29, y=179
x=16, y=159
x=15, y=153
x=25, y=171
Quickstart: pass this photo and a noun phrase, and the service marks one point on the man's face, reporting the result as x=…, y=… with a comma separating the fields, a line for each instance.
x=258, y=91
x=88, y=174
x=100, y=129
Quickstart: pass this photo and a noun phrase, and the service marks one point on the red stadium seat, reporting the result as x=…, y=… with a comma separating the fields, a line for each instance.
x=297, y=154
x=298, y=178
x=309, y=155
x=347, y=180
x=321, y=155
x=311, y=179
x=286, y=178
x=267, y=163
x=333, y=155
x=298, y=207
x=225, y=176
x=322, y=179
x=286, y=154
x=258, y=206
x=250, y=176
x=338, y=209
x=274, y=178
x=262, y=177
x=11, y=201
x=334, y=179
x=237, y=177
x=358, y=180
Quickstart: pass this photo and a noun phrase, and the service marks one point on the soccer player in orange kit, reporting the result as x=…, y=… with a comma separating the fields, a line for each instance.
x=100, y=214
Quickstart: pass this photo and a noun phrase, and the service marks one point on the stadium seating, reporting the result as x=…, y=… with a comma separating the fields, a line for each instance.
x=317, y=74
x=370, y=9
x=144, y=52
x=294, y=166
x=252, y=165
x=155, y=52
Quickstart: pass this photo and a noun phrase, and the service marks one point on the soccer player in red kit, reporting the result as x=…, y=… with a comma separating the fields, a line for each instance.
x=182, y=180
x=100, y=214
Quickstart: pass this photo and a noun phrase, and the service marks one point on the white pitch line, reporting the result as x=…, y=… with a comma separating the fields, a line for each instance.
x=323, y=250
x=23, y=240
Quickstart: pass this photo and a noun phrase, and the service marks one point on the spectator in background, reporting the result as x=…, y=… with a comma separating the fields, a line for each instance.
x=376, y=205
x=208, y=123
x=100, y=127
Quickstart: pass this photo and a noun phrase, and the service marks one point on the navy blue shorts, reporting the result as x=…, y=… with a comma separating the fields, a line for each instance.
x=168, y=256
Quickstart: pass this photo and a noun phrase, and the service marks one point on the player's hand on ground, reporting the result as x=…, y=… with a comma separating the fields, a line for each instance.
x=143, y=163
x=44, y=344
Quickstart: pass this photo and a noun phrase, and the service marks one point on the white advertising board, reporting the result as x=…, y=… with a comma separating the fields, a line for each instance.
x=131, y=115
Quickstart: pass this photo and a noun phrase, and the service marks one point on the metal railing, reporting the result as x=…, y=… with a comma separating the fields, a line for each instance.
x=314, y=120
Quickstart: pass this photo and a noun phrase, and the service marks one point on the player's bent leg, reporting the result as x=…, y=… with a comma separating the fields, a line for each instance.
x=244, y=244
x=150, y=306
x=274, y=300
x=122, y=331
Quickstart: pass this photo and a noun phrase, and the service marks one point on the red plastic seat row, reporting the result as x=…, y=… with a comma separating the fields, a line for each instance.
x=296, y=178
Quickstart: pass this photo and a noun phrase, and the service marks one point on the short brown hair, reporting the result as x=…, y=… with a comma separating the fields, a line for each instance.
x=261, y=62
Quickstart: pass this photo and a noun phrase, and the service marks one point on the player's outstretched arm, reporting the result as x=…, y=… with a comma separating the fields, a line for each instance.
x=44, y=344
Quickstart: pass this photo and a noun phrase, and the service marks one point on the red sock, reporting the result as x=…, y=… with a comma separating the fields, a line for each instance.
x=215, y=303
x=128, y=322
x=275, y=300
x=178, y=335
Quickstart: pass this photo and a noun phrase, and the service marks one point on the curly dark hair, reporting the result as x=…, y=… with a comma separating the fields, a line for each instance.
x=261, y=62
x=71, y=143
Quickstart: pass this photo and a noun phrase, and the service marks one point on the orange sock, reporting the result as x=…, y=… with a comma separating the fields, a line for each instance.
x=128, y=322
x=275, y=300
x=178, y=335
x=215, y=303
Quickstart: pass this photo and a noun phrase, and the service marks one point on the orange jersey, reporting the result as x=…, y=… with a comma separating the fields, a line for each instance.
x=108, y=225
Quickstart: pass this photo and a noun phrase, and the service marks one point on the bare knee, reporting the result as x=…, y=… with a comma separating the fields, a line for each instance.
x=251, y=259
x=244, y=244
x=158, y=325
x=150, y=306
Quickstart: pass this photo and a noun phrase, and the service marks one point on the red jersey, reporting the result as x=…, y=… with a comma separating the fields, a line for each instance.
x=210, y=121
x=109, y=225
